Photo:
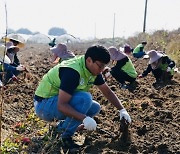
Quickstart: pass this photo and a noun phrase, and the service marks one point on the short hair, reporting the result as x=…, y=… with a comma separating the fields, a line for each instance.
x=98, y=53
x=144, y=42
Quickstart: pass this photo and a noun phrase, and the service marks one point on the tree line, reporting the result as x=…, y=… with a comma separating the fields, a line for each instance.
x=56, y=31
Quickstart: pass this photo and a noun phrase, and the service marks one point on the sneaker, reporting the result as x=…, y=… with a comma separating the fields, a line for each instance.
x=1, y=84
x=68, y=143
x=133, y=85
x=124, y=86
x=145, y=56
x=157, y=84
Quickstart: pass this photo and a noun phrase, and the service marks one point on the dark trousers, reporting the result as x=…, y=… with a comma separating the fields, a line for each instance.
x=139, y=54
x=161, y=75
x=121, y=76
x=10, y=71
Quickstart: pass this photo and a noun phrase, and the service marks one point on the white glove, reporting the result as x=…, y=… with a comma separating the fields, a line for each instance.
x=106, y=72
x=123, y=113
x=168, y=69
x=20, y=68
x=107, y=68
x=89, y=123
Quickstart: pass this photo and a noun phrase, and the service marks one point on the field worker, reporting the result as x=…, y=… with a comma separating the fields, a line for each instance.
x=138, y=51
x=18, y=41
x=124, y=70
x=61, y=53
x=126, y=49
x=161, y=66
x=14, y=68
x=63, y=93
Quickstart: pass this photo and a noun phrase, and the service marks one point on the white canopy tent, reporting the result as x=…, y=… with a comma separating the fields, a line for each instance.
x=39, y=38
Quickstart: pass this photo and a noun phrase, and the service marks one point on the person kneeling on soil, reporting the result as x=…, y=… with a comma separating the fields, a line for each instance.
x=124, y=69
x=63, y=94
x=138, y=51
x=11, y=70
x=161, y=66
x=61, y=53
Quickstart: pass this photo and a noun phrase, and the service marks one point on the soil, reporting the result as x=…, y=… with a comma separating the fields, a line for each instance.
x=155, y=114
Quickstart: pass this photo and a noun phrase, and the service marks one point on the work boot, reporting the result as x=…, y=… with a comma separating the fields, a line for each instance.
x=157, y=84
x=124, y=86
x=69, y=144
x=133, y=85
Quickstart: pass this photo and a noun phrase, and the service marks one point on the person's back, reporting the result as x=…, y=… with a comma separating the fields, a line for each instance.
x=138, y=51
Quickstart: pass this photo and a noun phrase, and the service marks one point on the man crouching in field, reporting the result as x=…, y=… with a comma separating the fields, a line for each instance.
x=63, y=94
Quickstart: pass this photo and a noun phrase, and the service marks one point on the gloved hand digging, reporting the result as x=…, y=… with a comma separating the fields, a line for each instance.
x=89, y=123
x=123, y=113
x=20, y=68
x=168, y=69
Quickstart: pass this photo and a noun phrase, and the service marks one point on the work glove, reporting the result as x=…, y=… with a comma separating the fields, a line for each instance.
x=168, y=69
x=20, y=68
x=106, y=72
x=123, y=113
x=140, y=76
x=89, y=123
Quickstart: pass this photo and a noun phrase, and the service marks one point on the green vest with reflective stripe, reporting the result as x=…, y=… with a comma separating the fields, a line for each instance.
x=164, y=68
x=50, y=83
x=129, y=69
x=1, y=67
x=137, y=48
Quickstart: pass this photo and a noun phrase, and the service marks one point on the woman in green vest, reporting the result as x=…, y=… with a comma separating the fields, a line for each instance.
x=124, y=70
x=138, y=51
x=161, y=66
x=63, y=94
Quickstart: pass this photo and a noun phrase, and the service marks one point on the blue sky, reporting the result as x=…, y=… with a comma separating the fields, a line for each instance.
x=90, y=18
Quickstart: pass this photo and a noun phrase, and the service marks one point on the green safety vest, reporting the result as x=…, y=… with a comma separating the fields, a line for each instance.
x=1, y=67
x=164, y=68
x=130, y=69
x=50, y=83
x=137, y=48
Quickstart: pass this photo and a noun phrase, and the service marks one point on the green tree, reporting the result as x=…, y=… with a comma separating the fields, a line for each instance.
x=24, y=31
x=56, y=31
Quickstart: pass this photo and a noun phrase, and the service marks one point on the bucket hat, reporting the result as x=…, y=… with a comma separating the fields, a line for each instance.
x=116, y=54
x=61, y=51
x=127, y=48
x=17, y=38
x=154, y=56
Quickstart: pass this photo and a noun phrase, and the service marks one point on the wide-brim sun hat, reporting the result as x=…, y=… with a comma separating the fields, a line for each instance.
x=15, y=37
x=154, y=56
x=61, y=51
x=115, y=54
x=3, y=57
